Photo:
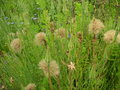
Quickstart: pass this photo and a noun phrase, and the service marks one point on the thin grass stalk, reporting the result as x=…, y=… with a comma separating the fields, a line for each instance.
x=58, y=82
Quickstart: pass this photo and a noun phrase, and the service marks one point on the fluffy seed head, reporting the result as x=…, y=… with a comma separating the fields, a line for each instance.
x=109, y=36
x=16, y=45
x=95, y=26
x=118, y=38
x=60, y=32
x=44, y=66
x=30, y=86
x=40, y=38
x=54, y=68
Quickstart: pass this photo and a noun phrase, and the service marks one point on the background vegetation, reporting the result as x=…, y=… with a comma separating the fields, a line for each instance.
x=97, y=65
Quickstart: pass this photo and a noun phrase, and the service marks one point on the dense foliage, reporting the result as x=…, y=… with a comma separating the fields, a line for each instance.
x=52, y=45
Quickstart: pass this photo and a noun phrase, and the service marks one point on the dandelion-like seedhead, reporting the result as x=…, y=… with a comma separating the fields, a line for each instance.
x=61, y=32
x=30, y=86
x=44, y=66
x=118, y=38
x=109, y=36
x=16, y=45
x=95, y=26
x=40, y=38
x=54, y=68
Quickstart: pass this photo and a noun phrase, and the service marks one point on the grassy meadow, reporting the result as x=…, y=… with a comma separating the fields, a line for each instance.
x=59, y=44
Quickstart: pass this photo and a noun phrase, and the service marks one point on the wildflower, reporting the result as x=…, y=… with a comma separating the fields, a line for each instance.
x=40, y=38
x=60, y=32
x=5, y=18
x=38, y=8
x=69, y=35
x=34, y=18
x=109, y=36
x=71, y=66
x=35, y=14
x=54, y=68
x=95, y=26
x=11, y=80
x=30, y=86
x=44, y=66
x=118, y=38
x=16, y=45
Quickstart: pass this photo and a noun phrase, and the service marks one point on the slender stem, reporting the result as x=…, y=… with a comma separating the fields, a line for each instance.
x=70, y=79
x=58, y=82
x=50, y=83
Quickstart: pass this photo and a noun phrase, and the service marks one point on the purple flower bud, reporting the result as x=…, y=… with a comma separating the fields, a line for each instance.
x=38, y=8
x=69, y=36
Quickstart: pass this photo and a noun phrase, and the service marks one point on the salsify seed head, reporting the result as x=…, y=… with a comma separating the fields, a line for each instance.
x=43, y=65
x=95, y=26
x=54, y=68
x=109, y=36
x=16, y=45
x=61, y=32
x=40, y=38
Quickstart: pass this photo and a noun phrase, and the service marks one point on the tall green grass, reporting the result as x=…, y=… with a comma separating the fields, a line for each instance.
x=97, y=64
